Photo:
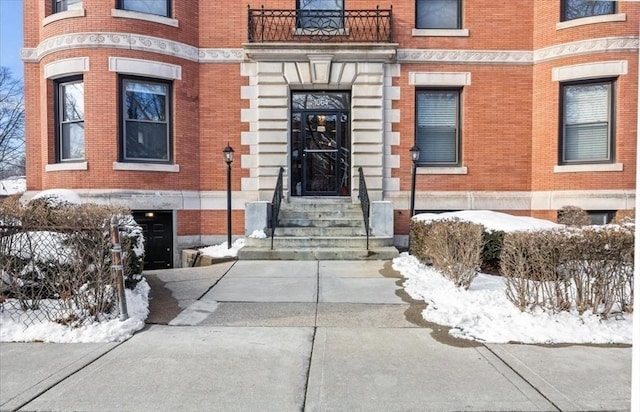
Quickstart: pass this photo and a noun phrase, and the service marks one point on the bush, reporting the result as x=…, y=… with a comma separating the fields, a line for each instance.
x=573, y=216
x=452, y=246
x=491, y=249
x=587, y=269
x=624, y=217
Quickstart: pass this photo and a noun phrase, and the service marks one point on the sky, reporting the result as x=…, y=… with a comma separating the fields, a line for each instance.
x=11, y=36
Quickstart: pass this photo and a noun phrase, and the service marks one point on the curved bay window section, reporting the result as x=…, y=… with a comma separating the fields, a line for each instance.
x=146, y=120
x=578, y=9
x=70, y=119
x=320, y=144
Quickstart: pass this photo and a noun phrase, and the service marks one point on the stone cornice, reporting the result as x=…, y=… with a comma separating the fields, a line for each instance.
x=237, y=55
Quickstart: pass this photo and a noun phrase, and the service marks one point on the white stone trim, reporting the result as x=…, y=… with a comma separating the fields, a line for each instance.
x=68, y=14
x=145, y=68
x=589, y=71
x=605, y=18
x=128, y=14
x=286, y=52
x=146, y=167
x=440, y=32
x=440, y=78
x=424, y=170
x=607, y=167
x=59, y=167
x=66, y=67
x=464, y=56
x=536, y=200
x=591, y=46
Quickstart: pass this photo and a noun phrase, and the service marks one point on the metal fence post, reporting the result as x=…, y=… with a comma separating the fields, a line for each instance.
x=116, y=264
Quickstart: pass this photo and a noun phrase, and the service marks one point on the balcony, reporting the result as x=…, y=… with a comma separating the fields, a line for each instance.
x=320, y=26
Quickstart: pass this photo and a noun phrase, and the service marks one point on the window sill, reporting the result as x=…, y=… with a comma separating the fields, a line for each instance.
x=608, y=167
x=146, y=167
x=69, y=14
x=605, y=18
x=59, y=167
x=126, y=14
x=440, y=32
x=425, y=170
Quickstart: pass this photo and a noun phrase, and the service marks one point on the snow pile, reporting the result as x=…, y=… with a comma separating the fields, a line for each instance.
x=13, y=186
x=114, y=330
x=258, y=234
x=221, y=250
x=492, y=220
x=58, y=197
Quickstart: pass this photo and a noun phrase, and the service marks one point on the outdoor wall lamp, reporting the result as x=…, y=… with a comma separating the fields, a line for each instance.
x=415, y=155
x=228, y=159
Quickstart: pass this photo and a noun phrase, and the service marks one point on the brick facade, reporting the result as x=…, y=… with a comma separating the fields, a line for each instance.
x=226, y=91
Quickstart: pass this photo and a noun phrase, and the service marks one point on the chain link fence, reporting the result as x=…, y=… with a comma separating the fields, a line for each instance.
x=59, y=273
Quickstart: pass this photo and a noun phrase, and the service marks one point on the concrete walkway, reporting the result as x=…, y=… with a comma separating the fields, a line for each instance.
x=303, y=336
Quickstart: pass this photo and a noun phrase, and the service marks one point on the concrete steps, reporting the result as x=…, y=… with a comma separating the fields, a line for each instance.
x=320, y=229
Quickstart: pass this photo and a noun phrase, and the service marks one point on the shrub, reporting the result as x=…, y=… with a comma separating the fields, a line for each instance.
x=452, y=246
x=624, y=217
x=491, y=249
x=573, y=216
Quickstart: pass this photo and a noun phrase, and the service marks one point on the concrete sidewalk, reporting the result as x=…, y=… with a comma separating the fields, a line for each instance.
x=303, y=335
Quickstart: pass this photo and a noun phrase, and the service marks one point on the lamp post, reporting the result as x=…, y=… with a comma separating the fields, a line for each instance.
x=228, y=158
x=415, y=155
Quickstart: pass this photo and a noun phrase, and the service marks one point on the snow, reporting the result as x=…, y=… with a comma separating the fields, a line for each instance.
x=258, y=234
x=492, y=220
x=115, y=330
x=221, y=250
x=484, y=313
x=57, y=196
x=13, y=186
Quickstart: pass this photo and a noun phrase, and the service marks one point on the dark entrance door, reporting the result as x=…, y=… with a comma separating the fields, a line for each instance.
x=320, y=144
x=157, y=228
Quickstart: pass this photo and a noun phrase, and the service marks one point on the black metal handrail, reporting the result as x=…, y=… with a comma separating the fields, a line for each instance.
x=363, y=195
x=313, y=26
x=275, y=205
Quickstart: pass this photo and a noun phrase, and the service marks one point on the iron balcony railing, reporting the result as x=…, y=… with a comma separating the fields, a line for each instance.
x=313, y=26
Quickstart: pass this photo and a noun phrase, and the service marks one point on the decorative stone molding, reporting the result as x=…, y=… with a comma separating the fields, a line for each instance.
x=464, y=56
x=66, y=67
x=220, y=55
x=589, y=71
x=592, y=46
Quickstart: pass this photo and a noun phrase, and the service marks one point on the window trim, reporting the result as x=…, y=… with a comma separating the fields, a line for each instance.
x=455, y=31
x=122, y=79
x=563, y=10
x=169, y=15
x=457, y=165
x=58, y=107
x=54, y=4
x=611, y=81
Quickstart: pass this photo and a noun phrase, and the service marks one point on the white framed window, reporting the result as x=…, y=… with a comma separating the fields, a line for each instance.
x=146, y=120
x=587, y=113
x=69, y=117
x=437, y=127
x=578, y=9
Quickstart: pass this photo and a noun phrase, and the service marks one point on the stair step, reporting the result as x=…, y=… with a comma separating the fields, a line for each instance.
x=334, y=222
x=320, y=214
x=379, y=253
x=318, y=231
x=298, y=242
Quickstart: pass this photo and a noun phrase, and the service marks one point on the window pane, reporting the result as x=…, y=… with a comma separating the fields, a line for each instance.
x=158, y=7
x=587, y=122
x=437, y=14
x=146, y=141
x=64, y=5
x=320, y=4
x=437, y=127
x=146, y=101
x=72, y=142
x=73, y=101
x=575, y=9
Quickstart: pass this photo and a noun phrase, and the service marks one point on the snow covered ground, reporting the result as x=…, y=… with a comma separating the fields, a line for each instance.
x=221, y=250
x=13, y=186
x=485, y=314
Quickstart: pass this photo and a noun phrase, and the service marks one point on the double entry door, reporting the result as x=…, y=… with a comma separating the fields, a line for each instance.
x=320, y=144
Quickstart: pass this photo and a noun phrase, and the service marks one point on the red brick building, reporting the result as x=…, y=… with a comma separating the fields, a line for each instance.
x=516, y=106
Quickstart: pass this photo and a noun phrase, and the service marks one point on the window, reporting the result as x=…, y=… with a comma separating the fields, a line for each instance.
x=438, y=14
x=146, y=130
x=65, y=5
x=437, y=130
x=587, y=113
x=320, y=14
x=576, y=9
x=70, y=119
x=158, y=7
